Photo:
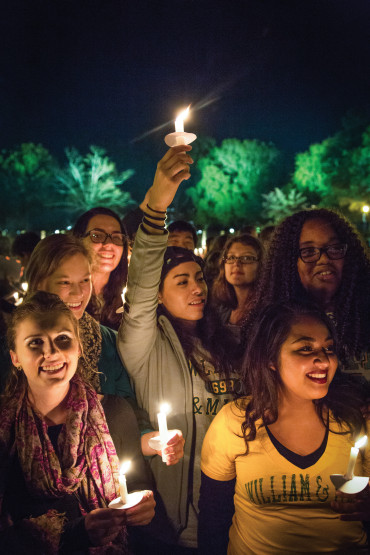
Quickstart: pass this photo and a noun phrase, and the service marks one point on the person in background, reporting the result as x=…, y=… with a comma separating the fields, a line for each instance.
x=5, y=245
x=233, y=289
x=268, y=456
x=104, y=234
x=266, y=235
x=319, y=256
x=182, y=234
x=212, y=259
x=248, y=230
x=173, y=349
x=23, y=245
x=59, y=468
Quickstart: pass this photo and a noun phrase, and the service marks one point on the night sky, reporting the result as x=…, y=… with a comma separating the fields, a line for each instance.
x=75, y=73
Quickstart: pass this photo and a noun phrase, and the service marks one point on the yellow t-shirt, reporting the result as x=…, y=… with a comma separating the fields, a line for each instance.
x=279, y=507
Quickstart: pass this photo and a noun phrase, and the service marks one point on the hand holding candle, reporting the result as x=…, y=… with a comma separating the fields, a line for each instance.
x=122, y=481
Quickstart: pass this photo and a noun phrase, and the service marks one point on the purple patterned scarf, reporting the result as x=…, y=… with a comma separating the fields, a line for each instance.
x=87, y=463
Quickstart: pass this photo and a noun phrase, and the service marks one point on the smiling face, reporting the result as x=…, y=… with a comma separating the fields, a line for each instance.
x=71, y=282
x=307, y=362
x=184, y=292
x=238, y=274
x=322, y=278
x=47, y=349
x=106, y=255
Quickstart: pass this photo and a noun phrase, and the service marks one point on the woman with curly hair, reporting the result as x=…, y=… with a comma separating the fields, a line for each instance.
x=233, y=289
x=318, y=255
x=103, y=233
x=268, y=456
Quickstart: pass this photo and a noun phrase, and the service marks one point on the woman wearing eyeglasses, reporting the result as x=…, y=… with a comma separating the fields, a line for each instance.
x=233, y=289
x=318, y=255
x=103, y=233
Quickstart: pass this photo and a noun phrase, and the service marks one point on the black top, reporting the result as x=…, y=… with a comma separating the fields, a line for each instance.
x=302, y=461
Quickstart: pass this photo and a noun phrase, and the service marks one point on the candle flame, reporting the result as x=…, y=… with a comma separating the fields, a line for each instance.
x=183, y=115
x=179, y=121
x=361, y=442
x=165, y=408
x=125, y=467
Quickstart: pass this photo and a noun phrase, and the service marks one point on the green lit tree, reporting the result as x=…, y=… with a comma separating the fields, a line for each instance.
x=336, y=171
x=92, y=180
x=359, y=190
x=278, y=204
x=27, y=182
x=233, y=178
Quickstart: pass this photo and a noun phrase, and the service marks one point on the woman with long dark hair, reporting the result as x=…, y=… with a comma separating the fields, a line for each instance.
x=172, y=347
x=268, y=456
x=103, y=233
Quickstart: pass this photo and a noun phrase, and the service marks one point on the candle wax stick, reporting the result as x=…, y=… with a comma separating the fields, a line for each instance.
x=179, y=126
x=163, y=432
x=351, y=463
x=123, y=488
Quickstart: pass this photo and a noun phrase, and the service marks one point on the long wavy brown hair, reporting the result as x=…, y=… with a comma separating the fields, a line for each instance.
x=347, y=395
x=222, y=291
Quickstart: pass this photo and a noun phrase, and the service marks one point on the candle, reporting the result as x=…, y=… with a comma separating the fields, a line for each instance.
x=353, y=457
x=122, y=481
x=162, y=426
x=123, y=295
x=179, y=122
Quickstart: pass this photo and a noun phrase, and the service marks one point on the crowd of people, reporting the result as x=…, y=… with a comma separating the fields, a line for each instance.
x=260, y=349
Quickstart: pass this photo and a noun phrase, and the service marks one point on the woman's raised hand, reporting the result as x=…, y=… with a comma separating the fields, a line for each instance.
x=171, y=171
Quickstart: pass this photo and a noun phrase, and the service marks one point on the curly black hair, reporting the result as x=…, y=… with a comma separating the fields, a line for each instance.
x=280, y=279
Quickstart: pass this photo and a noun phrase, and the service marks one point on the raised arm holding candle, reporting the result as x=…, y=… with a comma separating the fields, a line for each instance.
x=167, y=347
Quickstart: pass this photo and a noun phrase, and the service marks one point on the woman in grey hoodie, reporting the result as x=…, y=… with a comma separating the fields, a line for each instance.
x=173, y=353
